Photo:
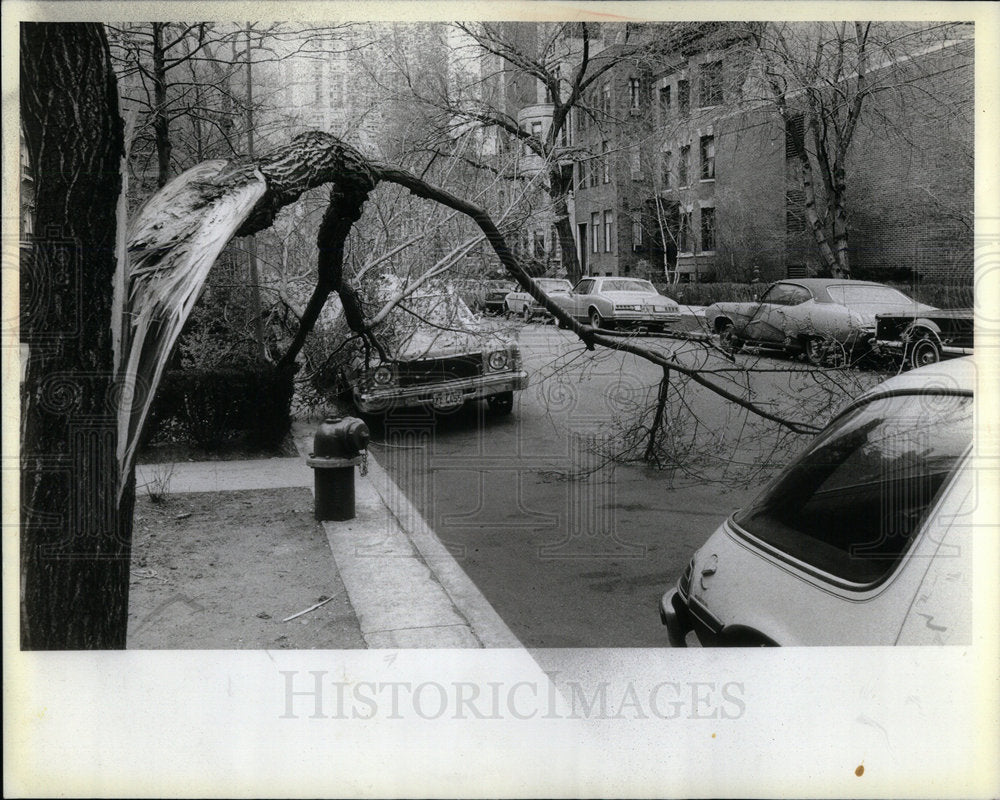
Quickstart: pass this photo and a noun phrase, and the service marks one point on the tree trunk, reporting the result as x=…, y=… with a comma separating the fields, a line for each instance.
x=161, y=123
x=558, y=192
x=75, y=537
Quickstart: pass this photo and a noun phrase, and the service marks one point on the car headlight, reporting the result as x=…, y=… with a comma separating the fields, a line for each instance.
x=498, y=360
x=382, y=376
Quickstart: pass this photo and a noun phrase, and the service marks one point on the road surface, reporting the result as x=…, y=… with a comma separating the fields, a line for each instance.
x=571, y=550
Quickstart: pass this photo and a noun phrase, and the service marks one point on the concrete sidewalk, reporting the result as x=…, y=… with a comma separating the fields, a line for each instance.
x=404, y=586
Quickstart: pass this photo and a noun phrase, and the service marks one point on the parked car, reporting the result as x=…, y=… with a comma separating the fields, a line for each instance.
x=925, y=338
x=441, y=356
x=494, y=294
x=863, y=539
x=825, y=319
x=607, y=302
x=521, y=303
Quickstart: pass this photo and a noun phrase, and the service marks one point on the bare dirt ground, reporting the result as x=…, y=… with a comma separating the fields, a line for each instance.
x=224, y=569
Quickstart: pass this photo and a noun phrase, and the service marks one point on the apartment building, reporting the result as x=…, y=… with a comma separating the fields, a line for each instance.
x=684, y=174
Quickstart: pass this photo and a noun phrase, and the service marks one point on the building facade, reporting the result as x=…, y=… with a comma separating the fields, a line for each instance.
x=682, y=175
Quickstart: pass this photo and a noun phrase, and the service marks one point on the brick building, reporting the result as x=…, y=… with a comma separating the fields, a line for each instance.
x=684, y=176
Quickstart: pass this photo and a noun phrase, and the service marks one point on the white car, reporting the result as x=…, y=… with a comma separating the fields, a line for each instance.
x=865, y=539
x=520, y=303
x=607, y=302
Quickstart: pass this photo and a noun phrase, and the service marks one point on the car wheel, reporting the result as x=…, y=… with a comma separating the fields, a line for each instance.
x=924, y=351
x=728, y=339
x=595, y=318
x=502, y=403
x=815, y=351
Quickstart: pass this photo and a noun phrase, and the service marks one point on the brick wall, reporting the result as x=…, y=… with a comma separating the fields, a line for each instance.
x=910, y=178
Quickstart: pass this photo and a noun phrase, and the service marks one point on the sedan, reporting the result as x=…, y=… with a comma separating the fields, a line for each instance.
x=825, y=319
x=438, y=355
x=606, y=302
x=521, y=303
x=864, y=539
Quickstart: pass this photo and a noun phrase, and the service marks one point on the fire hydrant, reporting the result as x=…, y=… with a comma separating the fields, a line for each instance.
x=337, y=450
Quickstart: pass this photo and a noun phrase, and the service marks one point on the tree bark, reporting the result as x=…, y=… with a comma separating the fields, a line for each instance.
x=75, y=536
x=161, y=122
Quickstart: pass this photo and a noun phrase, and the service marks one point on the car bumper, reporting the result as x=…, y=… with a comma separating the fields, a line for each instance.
x=639, y=318
x=897, y=346
x=676, y=617
x=425, y=394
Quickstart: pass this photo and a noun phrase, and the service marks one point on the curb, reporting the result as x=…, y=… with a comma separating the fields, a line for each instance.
x=406, y=589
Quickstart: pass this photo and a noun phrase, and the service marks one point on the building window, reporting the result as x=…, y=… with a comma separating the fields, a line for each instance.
x=635, y=162
x=668, y=165
x=683, y=96
x=682, y=166
x=795, y=220
x=605, y=163
x=606, y=99
x=539, y=244
x=707, y=147
x=711, y=84
x=794, y=136
x=637, y=234
x=608, y=233
x=664, y=101
x=595, y=232
x=707, y=229
x=684, y=233
x=581, y=173
x=594, y=168
x=634, y=93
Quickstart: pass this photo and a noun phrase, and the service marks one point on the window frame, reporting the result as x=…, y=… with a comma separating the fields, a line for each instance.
x=609, y=222
x=707, y=232
x=707, y=167
x=710, y=92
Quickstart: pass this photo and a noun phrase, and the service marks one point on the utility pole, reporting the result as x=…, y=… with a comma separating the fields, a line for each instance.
x=252, y=250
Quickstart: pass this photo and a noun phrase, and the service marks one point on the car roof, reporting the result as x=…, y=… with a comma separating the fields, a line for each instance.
x=954, y=376
x=817, y=283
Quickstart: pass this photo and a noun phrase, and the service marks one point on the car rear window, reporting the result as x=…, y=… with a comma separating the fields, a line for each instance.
x=852, y=504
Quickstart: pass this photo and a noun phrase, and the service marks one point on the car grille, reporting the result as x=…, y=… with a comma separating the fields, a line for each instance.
x=435, y=370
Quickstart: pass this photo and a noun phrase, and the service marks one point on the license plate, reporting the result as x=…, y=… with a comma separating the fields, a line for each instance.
x=446, y=401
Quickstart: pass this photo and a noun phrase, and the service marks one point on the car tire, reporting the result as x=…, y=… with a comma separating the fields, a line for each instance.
x=501, y=404
x=728, y=339
x=596, y=321
x=815, y=349
x=925, y=350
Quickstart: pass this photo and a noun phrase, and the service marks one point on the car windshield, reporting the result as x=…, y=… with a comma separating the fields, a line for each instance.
x=554, y=285
x=625, y=285
x=862, y=296
x=853, y=502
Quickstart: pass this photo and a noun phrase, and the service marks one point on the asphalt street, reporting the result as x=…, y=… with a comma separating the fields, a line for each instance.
x=570, y=543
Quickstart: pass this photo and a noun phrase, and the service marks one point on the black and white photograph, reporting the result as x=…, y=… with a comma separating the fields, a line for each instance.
x=544, y=399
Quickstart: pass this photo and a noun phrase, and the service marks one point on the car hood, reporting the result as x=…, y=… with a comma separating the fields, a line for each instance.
x=436, y=343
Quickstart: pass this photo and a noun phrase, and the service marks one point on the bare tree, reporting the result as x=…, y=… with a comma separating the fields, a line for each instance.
x=823, y=80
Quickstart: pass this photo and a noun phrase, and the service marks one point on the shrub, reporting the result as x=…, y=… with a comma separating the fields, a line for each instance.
x=212, y=405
